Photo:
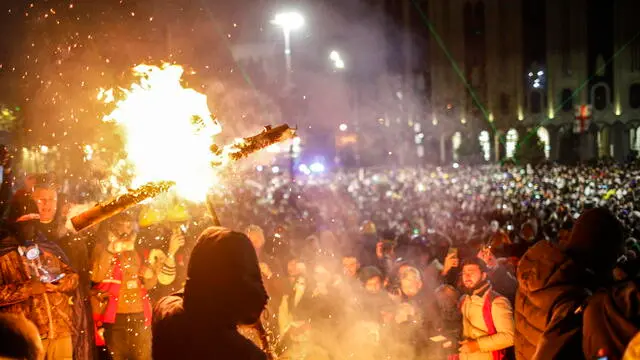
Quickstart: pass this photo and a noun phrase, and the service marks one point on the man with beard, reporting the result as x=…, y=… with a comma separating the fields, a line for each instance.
x=37, y=282
x=224, y=289
x=487, y=317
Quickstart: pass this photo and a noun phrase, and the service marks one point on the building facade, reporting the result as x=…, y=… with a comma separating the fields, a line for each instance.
x=507, y=70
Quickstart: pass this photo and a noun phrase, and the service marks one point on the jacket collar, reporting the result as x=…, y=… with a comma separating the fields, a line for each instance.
x=482, y=290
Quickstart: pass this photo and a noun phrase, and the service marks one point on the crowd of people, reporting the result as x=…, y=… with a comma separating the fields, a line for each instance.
x=493, y=262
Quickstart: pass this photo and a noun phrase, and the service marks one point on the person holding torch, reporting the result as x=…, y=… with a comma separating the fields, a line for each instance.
x=123, y=277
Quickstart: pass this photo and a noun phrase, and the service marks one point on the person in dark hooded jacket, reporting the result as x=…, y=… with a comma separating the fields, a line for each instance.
x=224, y=289
x=554, y=283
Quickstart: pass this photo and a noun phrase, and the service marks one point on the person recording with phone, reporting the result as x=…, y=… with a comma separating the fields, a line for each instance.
x=37, y=282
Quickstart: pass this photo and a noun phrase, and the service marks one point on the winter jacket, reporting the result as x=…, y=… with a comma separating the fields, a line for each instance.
x=503, y=282
x=51, y=312
x=184, y=338
x=224, y=289
x=552, y=289
x=474, y=326
x=611, y=320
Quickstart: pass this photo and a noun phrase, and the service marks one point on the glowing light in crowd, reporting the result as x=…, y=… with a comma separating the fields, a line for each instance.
x=343, y=127
x=304, y=169
x=275, y=169
x=259, y=168
x=317, y=167
x=168, y=130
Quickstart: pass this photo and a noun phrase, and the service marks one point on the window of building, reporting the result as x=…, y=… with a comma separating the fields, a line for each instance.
x=634, y=96
x=536, y=102
x=511, y=143
x=634, y=138
x=485, y=144
x=600, y=97
x=543, y=135
x=635, y=56
x=566, y=100
x=603, y=143
x=504, y=104
x=456, y=140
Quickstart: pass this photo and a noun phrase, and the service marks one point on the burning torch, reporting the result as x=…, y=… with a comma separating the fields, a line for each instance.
x=103, y=211
x=246, y=146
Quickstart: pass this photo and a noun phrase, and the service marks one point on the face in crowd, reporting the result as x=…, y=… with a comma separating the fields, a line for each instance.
x=124, y=231
x=47, y=201
x=410, y=281
x=472, y=275
x=350, y=266
x=373, y=285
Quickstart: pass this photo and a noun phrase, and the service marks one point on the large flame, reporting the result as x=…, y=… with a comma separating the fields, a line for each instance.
x=168, y=130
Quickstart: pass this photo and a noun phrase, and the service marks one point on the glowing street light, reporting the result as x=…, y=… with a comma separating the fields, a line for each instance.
x=288, y=21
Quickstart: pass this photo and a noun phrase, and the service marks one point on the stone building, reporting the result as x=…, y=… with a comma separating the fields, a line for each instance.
x=505, y=70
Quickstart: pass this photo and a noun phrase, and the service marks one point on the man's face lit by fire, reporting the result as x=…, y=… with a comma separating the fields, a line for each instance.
x=472, y=276
x=373, y=285
x=350, y=266
x=124, y=231
x=410, y=282
x=47, y=201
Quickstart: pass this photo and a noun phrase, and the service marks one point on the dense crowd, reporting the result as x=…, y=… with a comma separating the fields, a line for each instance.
x=428, y=263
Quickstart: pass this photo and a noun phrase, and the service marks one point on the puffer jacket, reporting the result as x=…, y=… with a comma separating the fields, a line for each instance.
x=611, y=320
x=552, y=290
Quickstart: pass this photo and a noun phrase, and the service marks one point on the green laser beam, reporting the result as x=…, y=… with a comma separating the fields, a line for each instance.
x=456, y=68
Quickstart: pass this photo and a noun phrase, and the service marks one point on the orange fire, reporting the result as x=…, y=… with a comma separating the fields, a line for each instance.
x=168, y=130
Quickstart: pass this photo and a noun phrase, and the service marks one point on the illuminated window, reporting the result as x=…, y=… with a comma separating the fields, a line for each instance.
x=512, y=142
x=634, y=139
x=485, y=144
x=456, y=140
x=603, y=143
x=543, y=135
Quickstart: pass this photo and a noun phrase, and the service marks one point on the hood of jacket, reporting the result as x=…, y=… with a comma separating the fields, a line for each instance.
x=545, y=266
x=224, y=285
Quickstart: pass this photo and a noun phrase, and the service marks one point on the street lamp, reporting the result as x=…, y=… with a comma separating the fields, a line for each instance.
x=288, y=21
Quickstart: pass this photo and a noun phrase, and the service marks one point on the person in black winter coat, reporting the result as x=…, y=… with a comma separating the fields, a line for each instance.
x=554, y=283
x=611, y=320
x=224, y=289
